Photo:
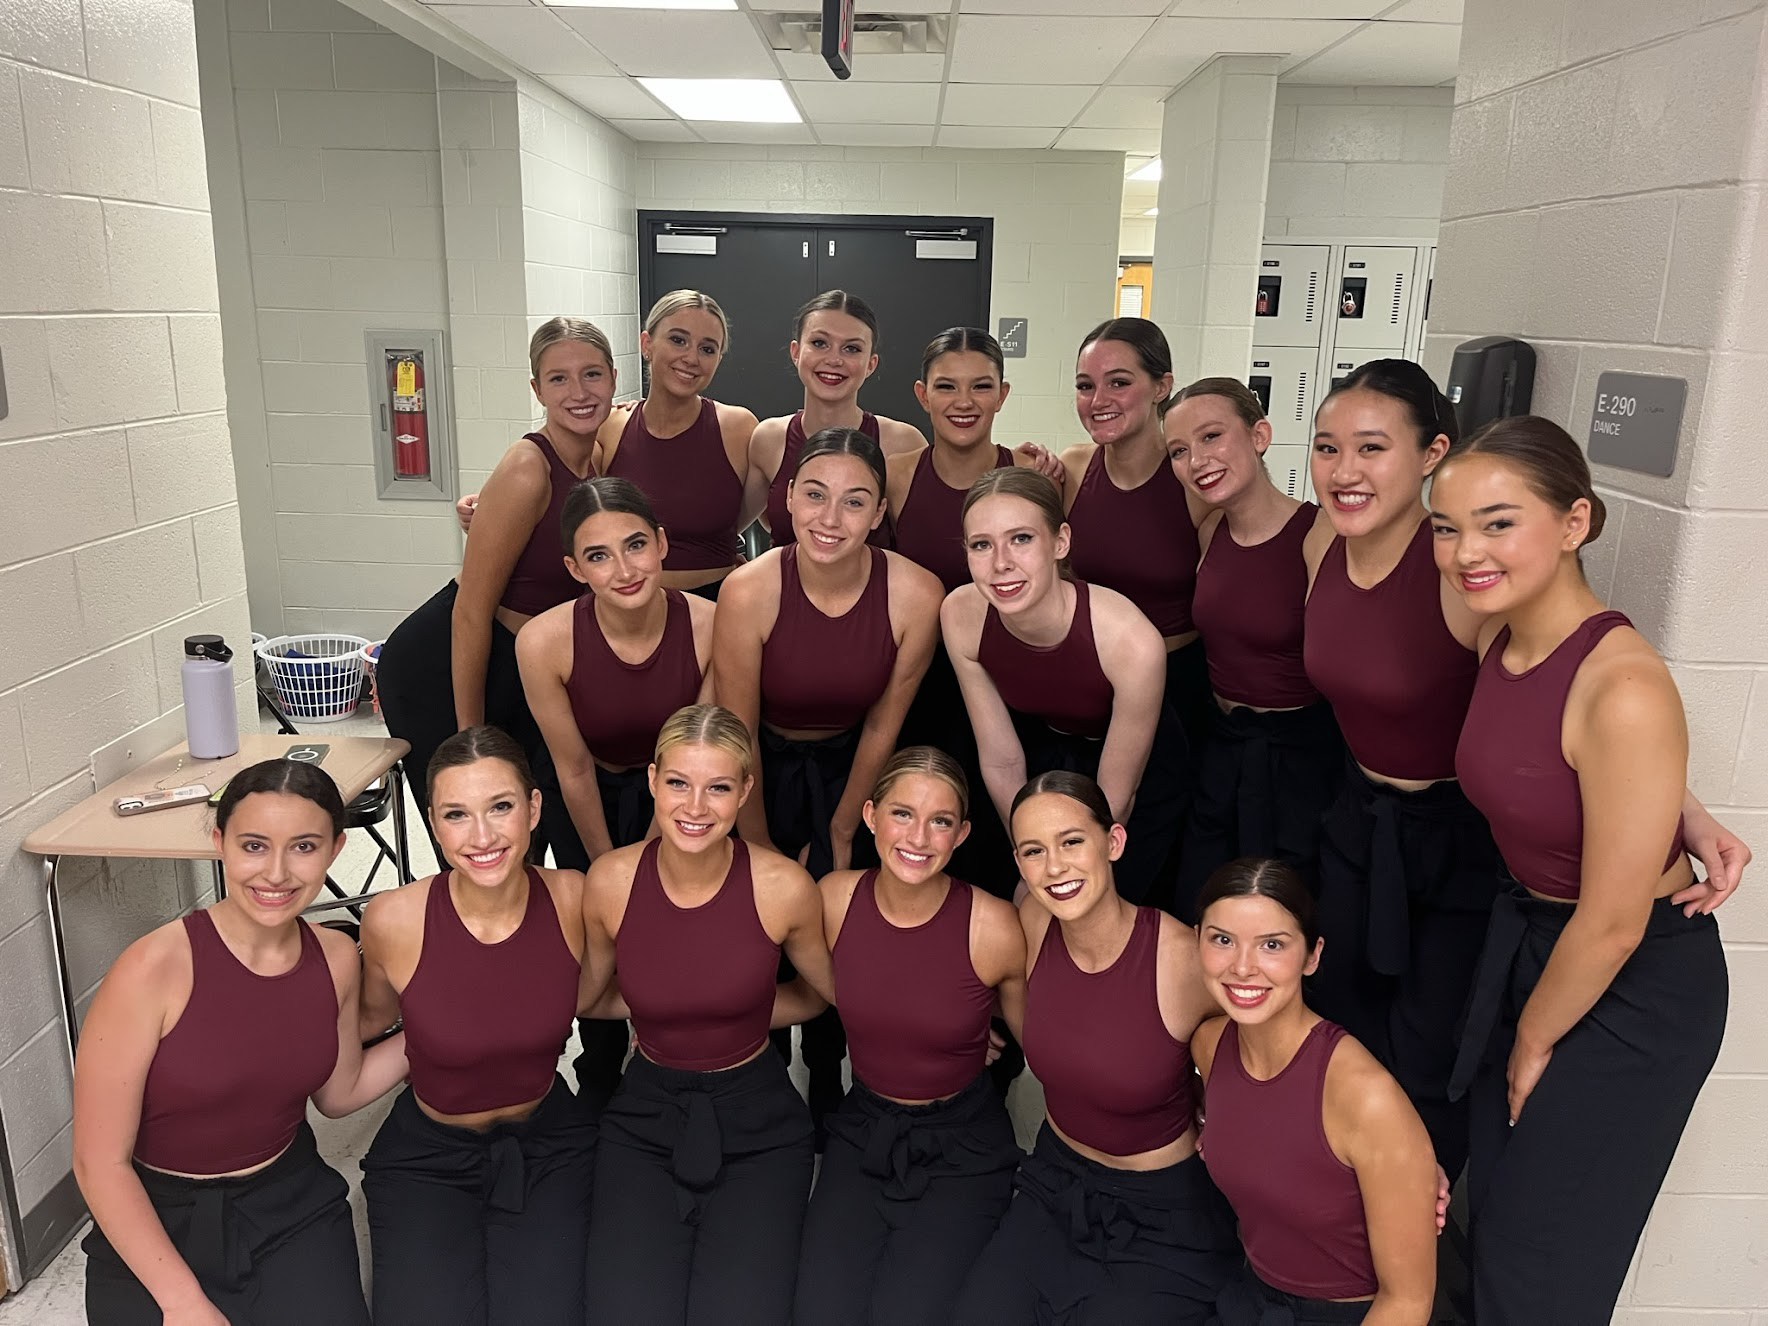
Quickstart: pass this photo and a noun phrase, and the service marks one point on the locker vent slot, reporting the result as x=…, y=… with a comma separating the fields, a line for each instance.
x=1301, y=400
x=1313, y=288
x=1292, y=481
x=1399, y=296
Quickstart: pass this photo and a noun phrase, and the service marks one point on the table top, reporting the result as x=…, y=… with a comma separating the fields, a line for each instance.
x=93, y=828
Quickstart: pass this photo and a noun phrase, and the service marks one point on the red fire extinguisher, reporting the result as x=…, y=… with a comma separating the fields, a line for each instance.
x=411, y=425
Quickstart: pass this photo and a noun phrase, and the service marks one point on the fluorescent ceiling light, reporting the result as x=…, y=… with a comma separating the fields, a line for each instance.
x=641, y=4
x=1152, y=211
x=746, y=100
x=1151, y=171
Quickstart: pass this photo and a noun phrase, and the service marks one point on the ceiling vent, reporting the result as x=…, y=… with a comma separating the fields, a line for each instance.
x=873, y=34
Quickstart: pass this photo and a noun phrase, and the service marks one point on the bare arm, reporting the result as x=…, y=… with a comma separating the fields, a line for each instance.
x=1134, y=660
x=543, y=652
x=896, y=438
x=360, y=1076
x=791, y=911
x=997, y=953
x=513, y=500
x=747, y=608
x=606, y=888
x=379, y=998
x=997, y=741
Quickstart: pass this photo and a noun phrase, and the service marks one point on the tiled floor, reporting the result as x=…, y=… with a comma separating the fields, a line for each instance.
x=57, y=1297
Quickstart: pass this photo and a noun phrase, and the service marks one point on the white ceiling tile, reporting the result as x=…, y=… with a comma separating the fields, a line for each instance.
x=1079, y=8
x=611, y=98
x=855, y=102
x=893, y=6
x=992, y=49
x=875, y=135
x=1427, y=11
x=1110, y=140
x=996, y=136
x=456, y=4
x=658, y=43
x=1266, y=10
x=1011, y=104
x=801, y=67
x=535, y=39
x=1175, y=48
x=1409, y=54
x=726, y=131
x=656, y=131
x=1125, y=108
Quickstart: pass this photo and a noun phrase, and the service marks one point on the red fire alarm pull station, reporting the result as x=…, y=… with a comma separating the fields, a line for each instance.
x=838, y=36
x=411, y=424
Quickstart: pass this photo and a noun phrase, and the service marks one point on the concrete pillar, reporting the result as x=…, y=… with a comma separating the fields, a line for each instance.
x=1605, y=201
x=1215, y=159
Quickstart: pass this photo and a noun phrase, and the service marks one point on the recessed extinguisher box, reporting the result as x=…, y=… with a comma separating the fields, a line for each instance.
x=412, y=426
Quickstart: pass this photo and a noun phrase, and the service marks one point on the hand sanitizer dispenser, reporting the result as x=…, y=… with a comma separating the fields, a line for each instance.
x=1491, y=377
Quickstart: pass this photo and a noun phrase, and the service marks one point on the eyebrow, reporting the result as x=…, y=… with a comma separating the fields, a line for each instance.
x=1496, y=506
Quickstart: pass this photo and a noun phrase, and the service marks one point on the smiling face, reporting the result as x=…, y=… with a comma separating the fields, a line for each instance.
x=1214, y=452
x=274, y=855
x=917, y=825
x=1368, y=468
x=833, y=354
x=1254, y=957
x=835, y=504
x=1499, y=542
x=620, y=557
x=1114, y=395
x=684, y=351
x=962, y=394
x=483, y=818
x=575, y=386
x=698, y=789
x=1012, y=553
x=1064, y=856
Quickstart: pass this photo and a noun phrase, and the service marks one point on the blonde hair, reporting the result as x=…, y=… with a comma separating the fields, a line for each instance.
x=1235, y=392
x=707, y=725
x=556, y=330
x=929, y=762
x=676, y=301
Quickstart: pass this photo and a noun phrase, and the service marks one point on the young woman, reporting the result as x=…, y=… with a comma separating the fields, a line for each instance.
x=1273, y=760
x=820, y=652
x=1060, y=674
x=1114, y=1218
x=834, y=350
x=705, y=1156
x=1326, y=1164
x=920, y=1159
x=687, y=452
x=1602, y=992
x=478, y=1182
x=1135, y=530
x=451, y=664
x=209, y=1201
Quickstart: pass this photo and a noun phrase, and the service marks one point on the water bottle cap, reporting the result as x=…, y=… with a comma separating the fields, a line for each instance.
x=207, y=646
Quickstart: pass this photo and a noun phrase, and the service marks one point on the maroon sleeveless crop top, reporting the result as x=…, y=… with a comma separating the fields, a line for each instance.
x=1511, y=761
x=1398, y=681
x=1249, y=607
x=1139, y=541
x=485, y=1023
x=915, y=1010
x=1114, y=1078
x=779, y=520
x=699, y=980
x=1299, y=1206
x=539, y=579
x=222, y=1095
x=1063, y=684
x=619, y=706
x=696, y=494
x=820, y=672
x=930, y=526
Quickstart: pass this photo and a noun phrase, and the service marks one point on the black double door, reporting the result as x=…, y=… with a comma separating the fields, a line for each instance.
x=761, y=270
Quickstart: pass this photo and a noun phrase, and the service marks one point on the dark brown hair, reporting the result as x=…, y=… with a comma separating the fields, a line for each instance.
x=1022, y=481
x=1232, y=390
x=1546, y=456
x=1403, y=381
x=289, y=778
x=1066, y=783
x=591, y=497
x=1261, y=877
x=469, y=746
x=839, y=301
x=843, y=442
x=956, y=340
x=1146, y=339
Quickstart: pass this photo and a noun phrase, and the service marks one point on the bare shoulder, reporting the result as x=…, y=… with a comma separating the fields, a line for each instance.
x=701, y=611
x=896, y=438
x=1176, y=943
x=837, y=889
x=566, y=887
x=393, y=911
x=735, y=421
x=608, y=884
x=1318, y=539
x=156, y=963
x=546, y=632
x=1076, y=456
x=917, y=585
x=1034, y=922
x=1361, y=1094
x=1624, y=686
x=1207, y=528
x=1118, y=624
x=767, y=444
x=752, y=583
x=996, y=932
x=1204, y=1042
x=340, y=951
x=607, y=437
x=960, y=615
x=899, y=466
x=781, y=885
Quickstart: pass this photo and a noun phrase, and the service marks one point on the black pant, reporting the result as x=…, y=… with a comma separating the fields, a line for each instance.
x=627, y=808
x=480, y=1228
x=1263, y=782
x=1249, y=1301
x=1406, y=887
x=1144, y=873
x=699, y=1197
x=1189, y=696
x=415, y=682
x=1558, y=1202
x=1086, y=1245
x=907, y=1197
x=274, y=1248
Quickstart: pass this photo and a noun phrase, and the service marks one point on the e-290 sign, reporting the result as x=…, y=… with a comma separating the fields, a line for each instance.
x=1634, y=422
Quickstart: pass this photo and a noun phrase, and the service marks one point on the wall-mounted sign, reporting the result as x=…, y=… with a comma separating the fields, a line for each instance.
x=1635, y=420
x=1012, y=337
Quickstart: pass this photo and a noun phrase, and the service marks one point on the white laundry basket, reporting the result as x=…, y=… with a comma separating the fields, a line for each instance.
x=318, y=677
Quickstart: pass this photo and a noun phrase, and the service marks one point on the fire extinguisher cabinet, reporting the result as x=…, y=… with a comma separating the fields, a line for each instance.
x=409, y=416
